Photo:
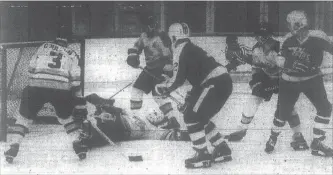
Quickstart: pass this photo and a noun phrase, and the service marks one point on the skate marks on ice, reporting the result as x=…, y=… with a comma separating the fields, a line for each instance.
x=51, y=152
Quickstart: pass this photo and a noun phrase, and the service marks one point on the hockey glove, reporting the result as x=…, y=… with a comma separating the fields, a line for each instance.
x=182, y=108
x=133, y=58
x=80, y=111
x=162, y=90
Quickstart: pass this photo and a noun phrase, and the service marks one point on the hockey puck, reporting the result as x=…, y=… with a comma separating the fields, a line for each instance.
x=135, y=158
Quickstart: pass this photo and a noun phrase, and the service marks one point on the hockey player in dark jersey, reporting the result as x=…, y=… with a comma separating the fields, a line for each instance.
x=156, y=46
x=117, y=125
x=211, y=87
x=301, y=58
x=264, y=83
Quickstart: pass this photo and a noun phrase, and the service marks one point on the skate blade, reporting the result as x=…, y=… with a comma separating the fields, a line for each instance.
x=299, y=147
x=202, y=164
x=9, y=159
x=82, y=156
x=320, y=153
x=223, y=159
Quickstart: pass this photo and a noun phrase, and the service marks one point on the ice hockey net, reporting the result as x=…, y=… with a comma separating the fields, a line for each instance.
x=14, y=64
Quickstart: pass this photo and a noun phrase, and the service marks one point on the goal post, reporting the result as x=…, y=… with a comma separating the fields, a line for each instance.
x=15, y=58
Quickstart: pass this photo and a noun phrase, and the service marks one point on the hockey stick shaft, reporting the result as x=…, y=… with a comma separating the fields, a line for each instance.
x=101, y=133
x=121, y=90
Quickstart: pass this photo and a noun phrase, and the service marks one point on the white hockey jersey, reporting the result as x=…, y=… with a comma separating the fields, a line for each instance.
x=54, y=66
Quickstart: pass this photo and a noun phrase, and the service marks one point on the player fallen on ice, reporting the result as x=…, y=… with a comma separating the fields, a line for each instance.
x=55, y=78
x=156, y=46
x=264, y=83
x=211, y=87
x=301, y=57
x=118, y=125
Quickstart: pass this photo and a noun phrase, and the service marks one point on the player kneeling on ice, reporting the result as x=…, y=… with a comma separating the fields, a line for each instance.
x=211, y=87
x=55, y=78
x=158, y=58
x=118, y=125
x=301, y=57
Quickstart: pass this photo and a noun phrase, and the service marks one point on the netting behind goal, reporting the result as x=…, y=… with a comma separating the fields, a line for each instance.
x=14, y=64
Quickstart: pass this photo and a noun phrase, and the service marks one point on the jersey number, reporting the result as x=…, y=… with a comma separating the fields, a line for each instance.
x=56, y=61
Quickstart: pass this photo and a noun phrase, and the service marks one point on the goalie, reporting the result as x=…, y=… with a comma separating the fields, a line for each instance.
x=116, y=124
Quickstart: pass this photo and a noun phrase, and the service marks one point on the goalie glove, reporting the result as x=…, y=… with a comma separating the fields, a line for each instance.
x=133, y=58
x=182, y=108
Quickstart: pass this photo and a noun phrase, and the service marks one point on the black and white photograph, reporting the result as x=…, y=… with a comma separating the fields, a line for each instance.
x=166, y=87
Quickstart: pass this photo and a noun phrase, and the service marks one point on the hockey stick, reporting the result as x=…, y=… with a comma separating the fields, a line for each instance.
x=101, y=133
x=157, y=78
x=121, y=90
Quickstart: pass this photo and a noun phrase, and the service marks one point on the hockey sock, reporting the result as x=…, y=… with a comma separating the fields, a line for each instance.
x=197, y=135
x=167, y=110
x=320, y=124
x=212, y=134
x=296, y=129
x=245, y=122
x=16, y=133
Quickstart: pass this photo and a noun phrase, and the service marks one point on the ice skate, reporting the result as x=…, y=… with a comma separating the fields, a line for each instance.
x=320, y=149
x=80, y=145
x=299, y=143
x=270, y=144
x=221, y=153
x=237, y=136
x=201, y=159
x=12, y=152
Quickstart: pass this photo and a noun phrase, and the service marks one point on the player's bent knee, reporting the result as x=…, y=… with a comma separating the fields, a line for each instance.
x=294, y=120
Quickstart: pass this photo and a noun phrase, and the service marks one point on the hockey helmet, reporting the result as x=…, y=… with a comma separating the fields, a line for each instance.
x=178, y=31
x=296, y=20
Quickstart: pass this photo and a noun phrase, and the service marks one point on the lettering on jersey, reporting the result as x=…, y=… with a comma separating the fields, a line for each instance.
x=52, y=46
x=176, y=54
x=300, y=53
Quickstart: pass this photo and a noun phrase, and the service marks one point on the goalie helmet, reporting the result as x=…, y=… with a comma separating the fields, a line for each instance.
x=178, y=31
x=296, y=20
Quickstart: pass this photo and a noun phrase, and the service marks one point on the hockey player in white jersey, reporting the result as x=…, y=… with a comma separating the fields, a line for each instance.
x=211, y=87
x=55, y=78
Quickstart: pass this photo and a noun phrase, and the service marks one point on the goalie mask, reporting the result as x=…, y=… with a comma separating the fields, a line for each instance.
x=178, y=31
x=296, y=20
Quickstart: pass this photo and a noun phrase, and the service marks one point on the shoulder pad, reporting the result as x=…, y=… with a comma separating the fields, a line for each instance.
x=318, y=34
x=165, y=38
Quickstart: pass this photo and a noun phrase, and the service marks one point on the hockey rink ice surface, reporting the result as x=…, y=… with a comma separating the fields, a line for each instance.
x=47, y=150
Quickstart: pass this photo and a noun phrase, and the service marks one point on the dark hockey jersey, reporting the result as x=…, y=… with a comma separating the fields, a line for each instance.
x=264, y=55
x=191, y=63
x=156, y=49
x=308, y=52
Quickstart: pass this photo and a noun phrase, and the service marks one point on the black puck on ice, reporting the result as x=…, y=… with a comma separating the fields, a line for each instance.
x=135, y=158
